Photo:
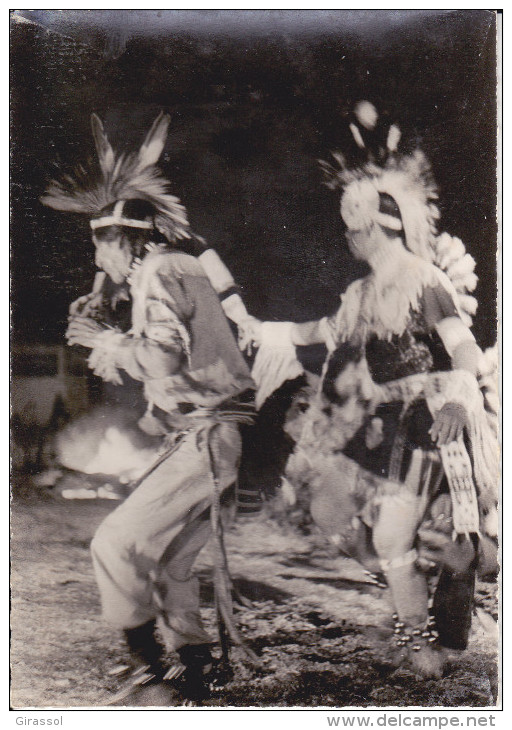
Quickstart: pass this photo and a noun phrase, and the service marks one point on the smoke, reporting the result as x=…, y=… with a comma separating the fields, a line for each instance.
x=107, y=441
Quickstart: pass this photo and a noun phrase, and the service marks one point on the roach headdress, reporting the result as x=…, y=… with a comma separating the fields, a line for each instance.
x=102, y=193
x=399, y=194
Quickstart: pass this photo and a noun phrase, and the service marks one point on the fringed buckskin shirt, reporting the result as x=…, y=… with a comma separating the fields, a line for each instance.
x=180, y=344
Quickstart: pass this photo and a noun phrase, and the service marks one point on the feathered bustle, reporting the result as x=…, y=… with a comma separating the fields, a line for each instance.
x=448, y=249
x=489, y=385
x=459, y=266
x=468, y=303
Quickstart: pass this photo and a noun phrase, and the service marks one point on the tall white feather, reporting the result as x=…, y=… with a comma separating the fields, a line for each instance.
x=104, y=149
x=153, y=145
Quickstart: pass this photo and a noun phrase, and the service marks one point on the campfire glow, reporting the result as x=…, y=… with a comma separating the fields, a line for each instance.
x=117, y=455
x=107, y=442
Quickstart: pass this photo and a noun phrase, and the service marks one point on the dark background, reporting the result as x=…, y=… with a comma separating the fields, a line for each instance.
x=256, y=98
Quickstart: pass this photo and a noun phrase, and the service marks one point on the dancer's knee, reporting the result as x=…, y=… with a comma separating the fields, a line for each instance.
x=106, y=541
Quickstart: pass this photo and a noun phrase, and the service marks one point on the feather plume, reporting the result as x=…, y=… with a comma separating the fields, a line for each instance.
x=460, y=268
x=153, y=145
x=448, y=250
x=451, y=257
x=331, y=173
x=444, y=243
x=105, y=152
x=393, y=139
x=468, y=303
x=489, y=360
x=357, y=136
x=492, y=402
x=489, y=385
x=122, y=177
x=465, y=282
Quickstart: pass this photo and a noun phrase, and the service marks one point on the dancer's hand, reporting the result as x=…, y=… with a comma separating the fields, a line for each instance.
x=85, y=305
x=249, y=334
x=435, y=543
x=449, y=424
x=435, y=547
x=83, y=331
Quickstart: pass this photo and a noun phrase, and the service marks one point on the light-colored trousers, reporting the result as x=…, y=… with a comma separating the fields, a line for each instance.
x=143, y=552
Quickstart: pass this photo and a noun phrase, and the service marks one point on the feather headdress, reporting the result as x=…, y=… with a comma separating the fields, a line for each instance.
x=400, y=194
x=123, y=177
x=407, y=180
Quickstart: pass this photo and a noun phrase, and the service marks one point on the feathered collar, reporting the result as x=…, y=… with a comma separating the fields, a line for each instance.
x=382, y=302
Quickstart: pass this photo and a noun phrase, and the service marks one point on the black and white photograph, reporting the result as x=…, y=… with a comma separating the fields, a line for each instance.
x=255, y=359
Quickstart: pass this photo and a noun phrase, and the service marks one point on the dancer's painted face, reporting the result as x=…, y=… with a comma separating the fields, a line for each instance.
x=364, y=244
x=113, y=253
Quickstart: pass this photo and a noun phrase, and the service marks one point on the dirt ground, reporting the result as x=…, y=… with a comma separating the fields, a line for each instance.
x=320, y=628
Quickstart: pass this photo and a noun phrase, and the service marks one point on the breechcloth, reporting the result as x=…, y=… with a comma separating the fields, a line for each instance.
x=144, y=551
